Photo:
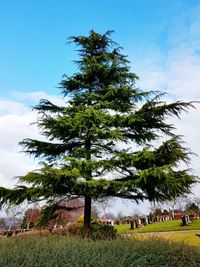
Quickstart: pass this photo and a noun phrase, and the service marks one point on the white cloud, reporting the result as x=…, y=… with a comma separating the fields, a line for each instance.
x=14, y=164
x=16, y=120
x=12, y=107
x=3, y=180
x=13, y=128
x=182, y=74
x=36, y=96
x=189, y=127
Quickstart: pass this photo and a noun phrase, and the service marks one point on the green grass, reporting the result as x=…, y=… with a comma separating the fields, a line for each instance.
x=174, y=225
x=188, y=238
x=58, y=251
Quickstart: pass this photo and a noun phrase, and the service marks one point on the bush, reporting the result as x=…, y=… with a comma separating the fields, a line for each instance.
x=102, y=231
x=80, y=219
x=70, y=229
x=98, y=231
x=33, y=233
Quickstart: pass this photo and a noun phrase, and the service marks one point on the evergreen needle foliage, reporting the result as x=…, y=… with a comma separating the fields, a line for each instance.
x=100, y=144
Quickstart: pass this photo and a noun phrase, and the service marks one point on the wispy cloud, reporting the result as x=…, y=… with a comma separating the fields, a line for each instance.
x=35, y=97
x=176, y=69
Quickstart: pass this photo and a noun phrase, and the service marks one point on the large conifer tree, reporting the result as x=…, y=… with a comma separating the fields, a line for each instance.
x=100, y=144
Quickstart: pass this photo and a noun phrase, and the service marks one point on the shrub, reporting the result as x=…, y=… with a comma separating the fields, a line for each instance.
x=80, y=219
x=33, y=233
x=98, y=231
x=102, y=231
x=74, y=229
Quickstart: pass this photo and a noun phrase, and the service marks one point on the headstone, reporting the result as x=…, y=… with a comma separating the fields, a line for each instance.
x=187, y=219
x=183, y=220
x=137, y=224
x=131, y=225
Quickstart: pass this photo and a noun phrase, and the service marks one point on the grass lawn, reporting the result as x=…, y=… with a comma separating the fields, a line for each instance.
x=184, y=238
x=174, y=225
x=188, y=238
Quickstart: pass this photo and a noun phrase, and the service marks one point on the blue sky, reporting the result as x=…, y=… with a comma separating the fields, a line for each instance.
x=33, y=35
x=161, y=38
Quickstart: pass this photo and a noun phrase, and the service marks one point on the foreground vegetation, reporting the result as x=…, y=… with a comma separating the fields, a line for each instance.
x=70, y=252
x=174, y=225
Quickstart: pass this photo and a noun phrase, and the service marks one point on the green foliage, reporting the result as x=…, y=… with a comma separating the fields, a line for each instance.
x=157, y=212
x=102, y=231
x=23, y=224
x=192, y=207
x=70, y=252
x=94, y=135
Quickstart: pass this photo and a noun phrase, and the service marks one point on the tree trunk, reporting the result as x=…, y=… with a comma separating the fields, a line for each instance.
x=88, y=199
x=10, y=225
x=28, y=225
x=87, y=216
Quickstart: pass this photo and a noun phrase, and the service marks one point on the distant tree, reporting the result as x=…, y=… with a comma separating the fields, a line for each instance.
x=68, y=211
x=192, y=207
x=31, y=218
x=136, y=213
x=103, y=206
x=95, y=212
x=197, y=201
x=119, y=215
x=13, y=214
x=91, y=147
x=157, y=212
x=177, y=204
x=165, y=212
x=1, y=222
x=109, y=215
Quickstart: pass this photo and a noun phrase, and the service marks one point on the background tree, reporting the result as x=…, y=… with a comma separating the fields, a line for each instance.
x=192, y=207
x=70, y=212
x=2, y=223
x=109, y=215
x=103, y=206
x=31, y=218
x=92, y=144
x=136, y=213
x=175, y=205
x=13, y=214
x=158, y=212
x=95, y=211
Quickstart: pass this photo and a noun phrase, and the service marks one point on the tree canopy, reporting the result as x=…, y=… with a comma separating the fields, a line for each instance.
x=100, y=144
